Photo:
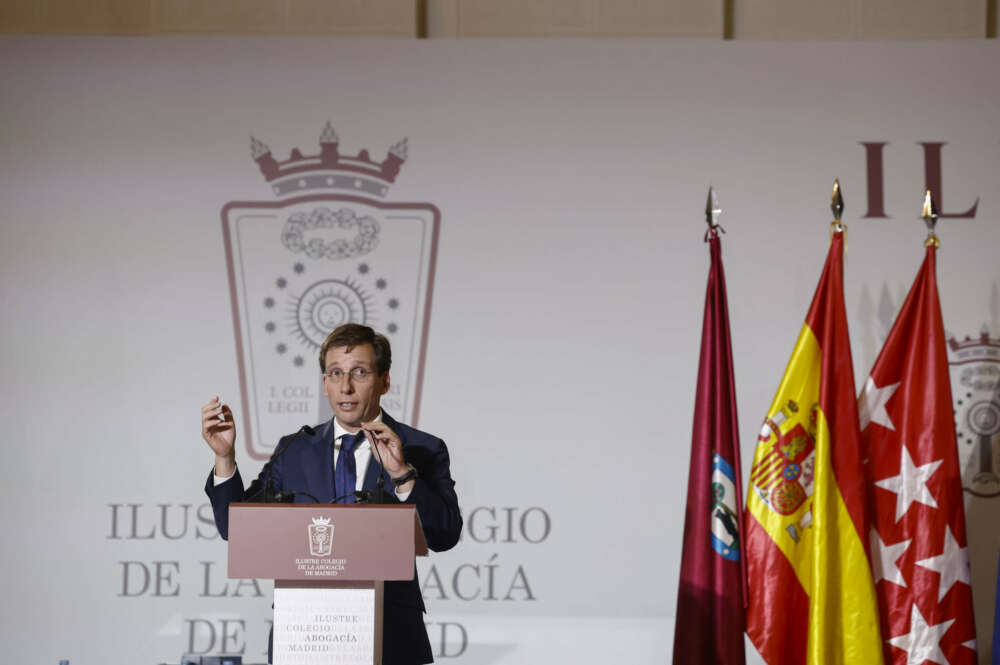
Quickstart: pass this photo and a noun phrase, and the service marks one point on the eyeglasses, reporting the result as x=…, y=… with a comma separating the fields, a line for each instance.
x=358, y=375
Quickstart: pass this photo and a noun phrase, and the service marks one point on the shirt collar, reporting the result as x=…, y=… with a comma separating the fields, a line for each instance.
x=339, y=432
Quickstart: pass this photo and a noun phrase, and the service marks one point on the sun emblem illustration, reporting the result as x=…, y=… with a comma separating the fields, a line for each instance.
x=303, y=310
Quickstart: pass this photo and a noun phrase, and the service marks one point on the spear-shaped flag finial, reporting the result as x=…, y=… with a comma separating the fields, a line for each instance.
x=712, y=212
x=930, y=216
x=837, y=201
x=837, y=206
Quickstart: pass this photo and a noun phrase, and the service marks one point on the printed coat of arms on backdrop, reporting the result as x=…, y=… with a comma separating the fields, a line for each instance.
x=328, y=249
x=975, y=388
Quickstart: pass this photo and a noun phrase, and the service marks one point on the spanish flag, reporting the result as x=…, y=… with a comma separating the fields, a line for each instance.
x=810, y=593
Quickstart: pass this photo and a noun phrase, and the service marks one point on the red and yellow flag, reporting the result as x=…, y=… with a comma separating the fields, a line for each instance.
x=810, y=593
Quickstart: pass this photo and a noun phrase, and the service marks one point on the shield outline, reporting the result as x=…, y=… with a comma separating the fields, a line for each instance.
x=233, y=296
x=324, y=549
x=962, y=353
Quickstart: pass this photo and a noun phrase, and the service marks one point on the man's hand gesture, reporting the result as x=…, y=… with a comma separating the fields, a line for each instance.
x=219, y=431
x=390, y=449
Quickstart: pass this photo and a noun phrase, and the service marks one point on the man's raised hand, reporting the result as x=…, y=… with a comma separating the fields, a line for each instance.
x=219, y=431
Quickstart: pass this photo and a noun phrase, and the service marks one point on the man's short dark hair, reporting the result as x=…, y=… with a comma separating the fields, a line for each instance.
x=351, y=335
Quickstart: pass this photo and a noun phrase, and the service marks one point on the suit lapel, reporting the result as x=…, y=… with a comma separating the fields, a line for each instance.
x=318, y=462
x=371, y=475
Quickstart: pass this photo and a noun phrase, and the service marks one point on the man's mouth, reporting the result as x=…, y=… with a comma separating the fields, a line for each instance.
x=347, y=405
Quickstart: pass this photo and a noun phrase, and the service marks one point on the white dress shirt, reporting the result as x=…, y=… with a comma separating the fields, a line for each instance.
x=362, y=456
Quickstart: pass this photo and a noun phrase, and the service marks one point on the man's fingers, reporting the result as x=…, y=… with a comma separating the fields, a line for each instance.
x=215, y=409
x=216, y=427
x=380, y=430
x=211, y=417
x=210, y=422
x=382, y=438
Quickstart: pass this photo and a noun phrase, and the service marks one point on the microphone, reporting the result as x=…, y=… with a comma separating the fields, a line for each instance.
x=379, y=495
x=360, y=496
x=364, y=496
x=267, y=488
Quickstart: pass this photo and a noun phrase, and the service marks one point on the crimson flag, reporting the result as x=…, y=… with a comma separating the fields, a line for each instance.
x=710, y=615
x=918, y=539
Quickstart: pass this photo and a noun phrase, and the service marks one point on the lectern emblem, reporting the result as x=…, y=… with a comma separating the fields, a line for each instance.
x=329, y=250
x=320, y=537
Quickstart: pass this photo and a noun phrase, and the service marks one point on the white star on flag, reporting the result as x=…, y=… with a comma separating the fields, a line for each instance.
x=923, y=642
x=911, y=484
x=871, y=404
x=953, y=564
x=884, y=558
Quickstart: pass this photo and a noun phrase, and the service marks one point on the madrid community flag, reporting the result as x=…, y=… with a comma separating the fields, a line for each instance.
x=918, y=538
x=811, y=599
x=709, y=628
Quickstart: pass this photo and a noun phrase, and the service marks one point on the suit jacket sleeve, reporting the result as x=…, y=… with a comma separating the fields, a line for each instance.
x=434, y=494
x=232, y=490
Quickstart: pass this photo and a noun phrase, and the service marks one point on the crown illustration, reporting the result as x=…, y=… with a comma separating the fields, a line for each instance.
x=975, y=348
x=321, y=521
x=329, y=170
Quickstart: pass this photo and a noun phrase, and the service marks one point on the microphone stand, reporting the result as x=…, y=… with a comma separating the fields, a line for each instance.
x=379, y=496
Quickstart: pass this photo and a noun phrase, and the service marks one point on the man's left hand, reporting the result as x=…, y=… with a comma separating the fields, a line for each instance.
x=390, y=448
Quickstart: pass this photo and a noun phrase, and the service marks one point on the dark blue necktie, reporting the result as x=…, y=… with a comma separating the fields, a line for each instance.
x=345, y=474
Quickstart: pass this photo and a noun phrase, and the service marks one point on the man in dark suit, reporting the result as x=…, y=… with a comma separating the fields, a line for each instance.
x=335, y=459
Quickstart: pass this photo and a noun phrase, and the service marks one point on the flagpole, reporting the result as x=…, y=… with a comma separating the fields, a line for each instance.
x=812, y=598
x=710, y=618
x=712, y=214
x=908, y=434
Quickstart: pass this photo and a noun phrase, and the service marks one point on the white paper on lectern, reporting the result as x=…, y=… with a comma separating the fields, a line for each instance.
x=324, y=626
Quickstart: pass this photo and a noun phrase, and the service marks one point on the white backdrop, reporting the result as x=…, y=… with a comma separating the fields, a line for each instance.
x=563, y=337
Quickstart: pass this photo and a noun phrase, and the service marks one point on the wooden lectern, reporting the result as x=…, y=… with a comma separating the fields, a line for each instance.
x=328, y=563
